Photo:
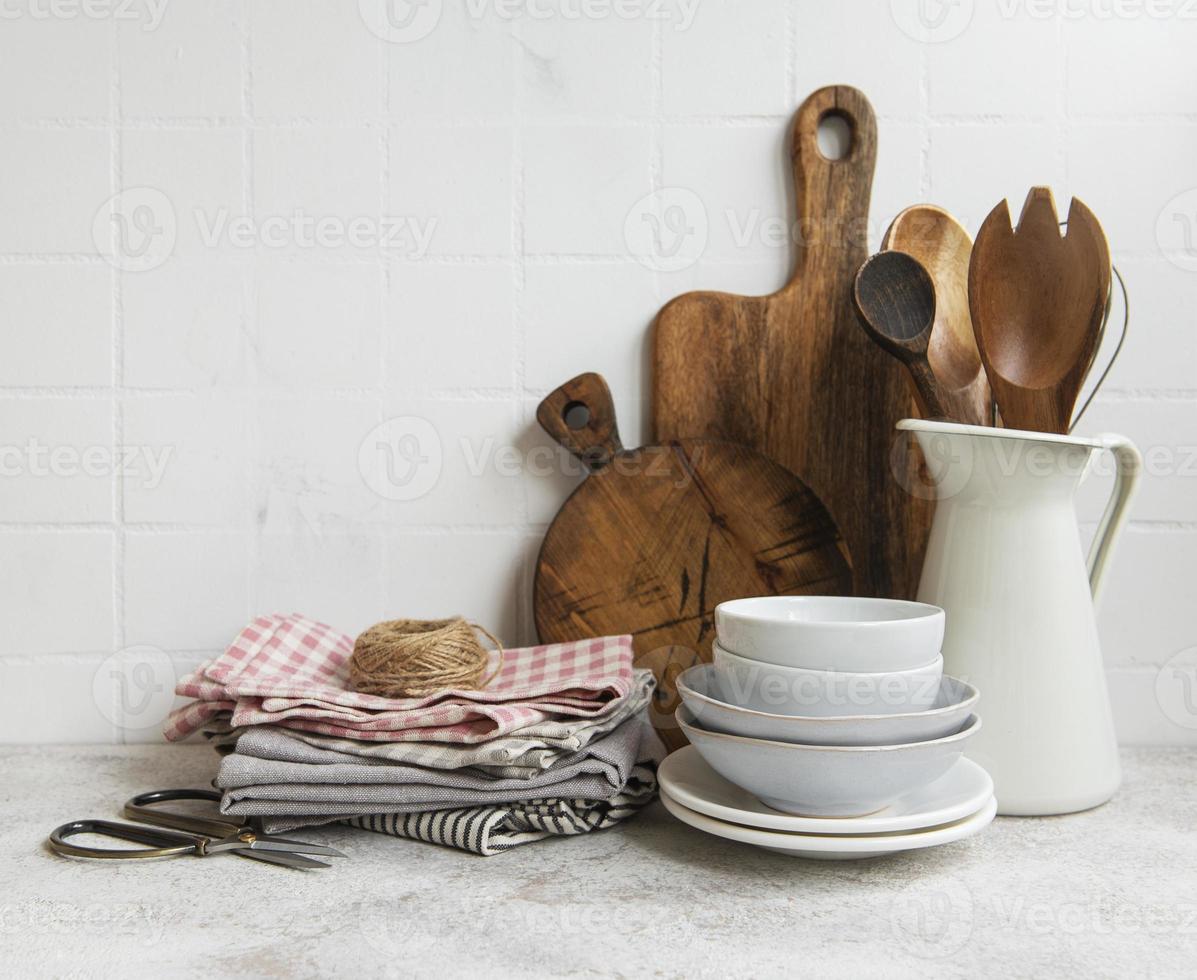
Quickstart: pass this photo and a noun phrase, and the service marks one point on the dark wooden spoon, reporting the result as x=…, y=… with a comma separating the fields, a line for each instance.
x=895, y=300
x=1037, y=301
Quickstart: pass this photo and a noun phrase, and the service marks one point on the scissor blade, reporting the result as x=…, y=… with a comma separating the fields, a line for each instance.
x=287, y=860
x=270, y=843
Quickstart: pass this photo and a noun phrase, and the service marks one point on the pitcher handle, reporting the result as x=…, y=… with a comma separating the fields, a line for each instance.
x=1128, y=469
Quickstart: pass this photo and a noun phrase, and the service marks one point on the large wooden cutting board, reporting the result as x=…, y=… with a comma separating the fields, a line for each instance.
x=794, y=376
x=654, y=538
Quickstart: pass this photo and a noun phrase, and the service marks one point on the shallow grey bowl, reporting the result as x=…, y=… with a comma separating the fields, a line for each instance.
x=825, y=780
x=701, y=690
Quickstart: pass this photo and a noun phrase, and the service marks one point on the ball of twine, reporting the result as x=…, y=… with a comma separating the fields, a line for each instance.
x=404, y=658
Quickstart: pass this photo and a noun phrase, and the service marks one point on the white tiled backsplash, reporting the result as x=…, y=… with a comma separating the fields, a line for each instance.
x=337, y=232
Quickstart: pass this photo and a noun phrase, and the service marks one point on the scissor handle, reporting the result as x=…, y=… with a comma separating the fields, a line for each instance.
x=143, y=808
x=163, y=843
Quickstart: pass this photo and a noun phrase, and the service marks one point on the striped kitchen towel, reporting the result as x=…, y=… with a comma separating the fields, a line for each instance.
x=291, y=671
x=490, y=830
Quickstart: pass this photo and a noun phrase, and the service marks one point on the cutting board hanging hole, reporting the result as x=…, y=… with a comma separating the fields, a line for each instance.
x=576, y=415
x=834, y=135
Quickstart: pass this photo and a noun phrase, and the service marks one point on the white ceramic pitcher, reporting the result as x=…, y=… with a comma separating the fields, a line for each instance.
x=1005, y=561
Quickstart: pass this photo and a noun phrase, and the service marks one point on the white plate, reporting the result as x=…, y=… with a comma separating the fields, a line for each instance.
x=831, y=848
x=960, y=792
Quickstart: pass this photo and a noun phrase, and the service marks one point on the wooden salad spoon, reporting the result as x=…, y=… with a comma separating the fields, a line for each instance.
x=895, y=300
x=943, y=247
x=1037, y=301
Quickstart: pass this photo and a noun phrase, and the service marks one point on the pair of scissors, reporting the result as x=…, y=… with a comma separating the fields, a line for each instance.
x=202, y=836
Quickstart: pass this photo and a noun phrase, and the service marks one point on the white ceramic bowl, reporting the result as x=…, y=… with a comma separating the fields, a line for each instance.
x=824, y=693
x=700, y=690
x=831, y=632
x=825, y=780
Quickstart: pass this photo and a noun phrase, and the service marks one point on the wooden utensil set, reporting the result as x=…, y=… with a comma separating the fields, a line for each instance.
x=774, y=470
x=1021, y=314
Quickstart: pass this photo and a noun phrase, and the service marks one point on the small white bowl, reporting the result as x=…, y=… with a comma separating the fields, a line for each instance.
x=824, y=693
x=841, y=633
x=825, y=780
x=699, y=689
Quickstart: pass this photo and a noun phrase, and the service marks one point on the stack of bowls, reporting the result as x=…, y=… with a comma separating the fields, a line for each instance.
x=828, y=707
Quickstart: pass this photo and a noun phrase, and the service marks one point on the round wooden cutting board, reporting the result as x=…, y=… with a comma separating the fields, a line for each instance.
x=656, y=537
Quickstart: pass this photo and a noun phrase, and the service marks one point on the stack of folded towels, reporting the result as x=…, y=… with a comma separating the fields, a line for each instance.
x=556, y=743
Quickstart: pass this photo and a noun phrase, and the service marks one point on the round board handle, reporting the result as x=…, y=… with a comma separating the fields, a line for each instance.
x=581, y=416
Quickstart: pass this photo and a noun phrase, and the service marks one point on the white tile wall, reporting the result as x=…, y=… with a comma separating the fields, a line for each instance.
x=456, y=182
x=185, y=326
x=293, y=77
x=62, y=69
x=578, y=182
x=189, y=65
x=52, y=183
x=306, y=343
x=57, y=461
x=181, y=588
x=59, y=317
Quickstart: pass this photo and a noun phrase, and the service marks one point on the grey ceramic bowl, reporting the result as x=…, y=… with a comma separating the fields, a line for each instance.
x=825, y=780
x=822, y=693
x=831, y=632
x=700, y=689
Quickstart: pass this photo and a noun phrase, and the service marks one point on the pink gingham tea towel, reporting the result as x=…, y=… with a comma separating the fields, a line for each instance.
x=293, y=672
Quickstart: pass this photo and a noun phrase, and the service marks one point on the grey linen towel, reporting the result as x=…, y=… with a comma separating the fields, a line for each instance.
x=490, y=830
x=273, y=788
x=522, y=755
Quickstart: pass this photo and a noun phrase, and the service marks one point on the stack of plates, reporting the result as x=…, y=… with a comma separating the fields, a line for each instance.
x=957, y=805
x=826, y=728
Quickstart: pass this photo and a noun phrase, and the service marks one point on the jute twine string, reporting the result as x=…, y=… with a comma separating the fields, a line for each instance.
x=403, y=658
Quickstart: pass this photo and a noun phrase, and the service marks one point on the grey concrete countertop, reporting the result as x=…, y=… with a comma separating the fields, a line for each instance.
x=1110, y=892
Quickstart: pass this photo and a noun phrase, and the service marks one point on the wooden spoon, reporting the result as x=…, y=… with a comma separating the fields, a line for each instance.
x=1037, y=301
x=943, y=247
x=895, y=300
